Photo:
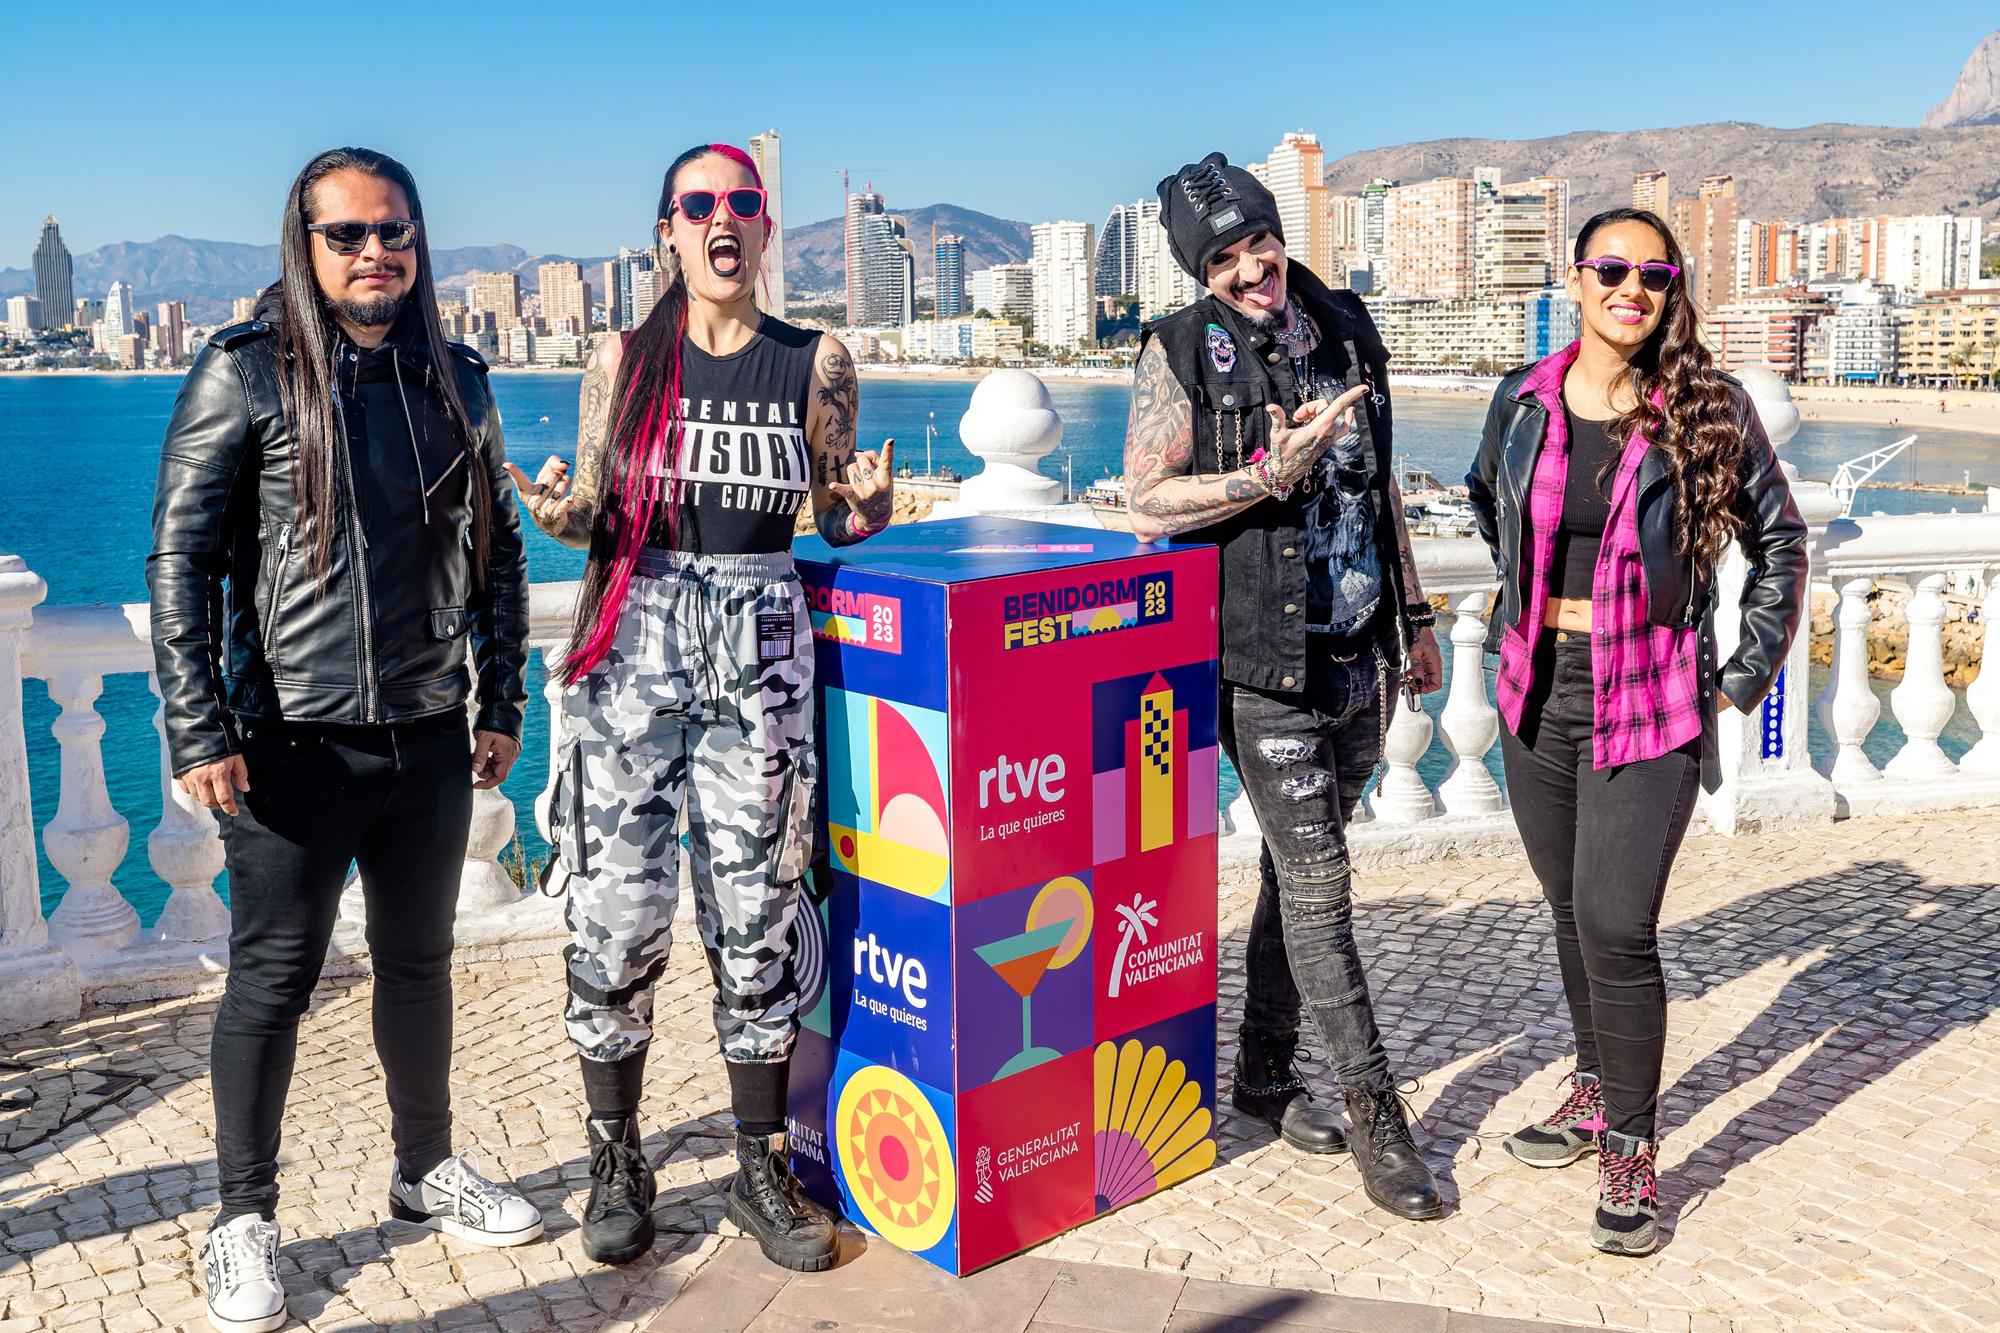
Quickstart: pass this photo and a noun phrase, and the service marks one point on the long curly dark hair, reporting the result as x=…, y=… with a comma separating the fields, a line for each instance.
x=1694, y=425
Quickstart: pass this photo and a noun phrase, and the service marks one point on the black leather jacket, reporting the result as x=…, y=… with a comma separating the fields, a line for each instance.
x=1678, y=591
x=239, y=628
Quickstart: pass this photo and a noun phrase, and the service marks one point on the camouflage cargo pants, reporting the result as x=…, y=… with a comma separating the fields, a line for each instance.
x=703, y=704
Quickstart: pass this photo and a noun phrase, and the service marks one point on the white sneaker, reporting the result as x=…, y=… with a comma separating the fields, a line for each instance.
x=239, y=1261
x=458, y=1201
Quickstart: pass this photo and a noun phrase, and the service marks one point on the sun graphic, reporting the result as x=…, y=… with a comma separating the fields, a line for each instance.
x=896, y=1157
x=1067, y=899
x=1107, y=618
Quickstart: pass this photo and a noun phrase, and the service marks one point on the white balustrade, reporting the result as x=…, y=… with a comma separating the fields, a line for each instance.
x=1923, y=703
x=38, y=980
x=1982, y=697
x=1848, y=708
x=186, y=852
x=87, y=839
x=1470, y=722
x=1402, y=797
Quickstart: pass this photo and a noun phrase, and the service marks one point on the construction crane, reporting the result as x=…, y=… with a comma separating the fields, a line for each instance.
x=1849, y=478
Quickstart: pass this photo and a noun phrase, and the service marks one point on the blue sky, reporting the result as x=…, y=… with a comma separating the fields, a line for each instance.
x=548, y=126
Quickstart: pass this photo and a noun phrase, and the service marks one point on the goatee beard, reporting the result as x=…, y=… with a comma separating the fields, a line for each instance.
x=372, y=313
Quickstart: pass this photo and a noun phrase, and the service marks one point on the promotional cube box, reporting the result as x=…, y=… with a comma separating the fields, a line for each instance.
x=1007, y=961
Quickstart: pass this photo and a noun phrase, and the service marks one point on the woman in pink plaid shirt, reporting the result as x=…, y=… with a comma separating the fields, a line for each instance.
x=1611, y=478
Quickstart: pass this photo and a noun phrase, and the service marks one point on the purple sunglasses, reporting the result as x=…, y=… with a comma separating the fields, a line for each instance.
x=1654, y=277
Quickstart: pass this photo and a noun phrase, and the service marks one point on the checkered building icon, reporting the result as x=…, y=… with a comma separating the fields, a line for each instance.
x=1156, y=730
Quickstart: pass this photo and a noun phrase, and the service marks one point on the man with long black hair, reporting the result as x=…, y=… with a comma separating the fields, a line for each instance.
x=1260, y=421
x=333, y=525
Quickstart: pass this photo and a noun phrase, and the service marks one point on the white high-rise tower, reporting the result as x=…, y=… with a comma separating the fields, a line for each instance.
x=771, y=291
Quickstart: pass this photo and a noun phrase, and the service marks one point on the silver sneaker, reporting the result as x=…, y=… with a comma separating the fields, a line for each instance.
x=239, y=1262
x=455, y=1199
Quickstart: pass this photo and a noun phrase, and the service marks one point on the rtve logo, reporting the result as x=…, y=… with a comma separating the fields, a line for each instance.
x=1040, y=778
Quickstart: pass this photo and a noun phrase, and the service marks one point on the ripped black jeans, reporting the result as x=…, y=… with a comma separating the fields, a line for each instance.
x=1304, y=761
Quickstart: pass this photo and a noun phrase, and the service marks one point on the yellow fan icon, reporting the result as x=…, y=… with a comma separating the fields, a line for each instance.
x=1152, y=1129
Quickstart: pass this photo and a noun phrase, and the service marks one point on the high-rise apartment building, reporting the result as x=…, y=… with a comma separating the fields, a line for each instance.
x=1511, y=243
x=1164, y=286
x=499, y=293
x=1374, y=221
x=1764, y=331
x=607, y=289
x=1118, y=251
x=1295, y=174
x=1428, y=234
x=1705, y=226
x=1065, y=286
x=242, y=309
x=1344, y=213
x=948, y=283
x=1004, y=291
x=117, y=312
x=565, y=298
x=169, y=332
x=1553, y=191
x=645, y=287
x=1552, y=323
x=771, y=283
x=1926, y=253
x=24, y=315
x=622, y=286
x=53, y=273
x=881, y=265
x=1649, y=191
x=1767, y=256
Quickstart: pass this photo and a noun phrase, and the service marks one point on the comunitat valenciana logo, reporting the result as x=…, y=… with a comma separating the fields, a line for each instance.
x=1140, y=957
x=1078, y=610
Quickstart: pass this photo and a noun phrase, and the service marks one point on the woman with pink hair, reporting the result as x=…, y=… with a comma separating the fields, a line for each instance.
x=688, y=686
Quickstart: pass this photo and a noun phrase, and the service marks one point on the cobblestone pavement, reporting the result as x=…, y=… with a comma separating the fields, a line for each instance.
x=1831, y=1122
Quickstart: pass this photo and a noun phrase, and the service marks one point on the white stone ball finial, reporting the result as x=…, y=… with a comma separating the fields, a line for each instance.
x=1772, y=398
x=1011, y=424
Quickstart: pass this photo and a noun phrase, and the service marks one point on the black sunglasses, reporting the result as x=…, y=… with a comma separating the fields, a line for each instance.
x=1654, y=276
x=347, y=238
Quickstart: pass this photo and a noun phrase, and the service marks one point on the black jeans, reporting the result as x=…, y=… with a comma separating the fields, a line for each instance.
x=1602, y=842
x=398, y=800
x=1304, y=762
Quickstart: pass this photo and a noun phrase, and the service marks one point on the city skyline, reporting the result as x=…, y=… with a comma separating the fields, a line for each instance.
x=116, y=179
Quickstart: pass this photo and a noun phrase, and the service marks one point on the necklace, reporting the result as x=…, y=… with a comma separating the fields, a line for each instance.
x=1298, y=340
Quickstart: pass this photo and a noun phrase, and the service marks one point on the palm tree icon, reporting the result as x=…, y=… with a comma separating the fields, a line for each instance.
x=1133, y=918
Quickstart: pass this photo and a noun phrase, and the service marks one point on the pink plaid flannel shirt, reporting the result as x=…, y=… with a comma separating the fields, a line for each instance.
x=1648, y=691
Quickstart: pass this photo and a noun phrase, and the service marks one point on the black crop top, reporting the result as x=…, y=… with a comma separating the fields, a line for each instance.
x=746, y=469
x=1586, y=508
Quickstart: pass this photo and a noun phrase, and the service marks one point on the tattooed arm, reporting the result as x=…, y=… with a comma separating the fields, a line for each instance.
x=562, y=501
x=1426, y=659
x=1167, y=498
x=853, y=493
x=1413, y=591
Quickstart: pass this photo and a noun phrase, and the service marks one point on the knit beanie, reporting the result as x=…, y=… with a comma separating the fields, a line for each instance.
x=1208, y=206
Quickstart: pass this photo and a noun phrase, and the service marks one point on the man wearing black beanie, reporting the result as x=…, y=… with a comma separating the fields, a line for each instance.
x=1260, y=422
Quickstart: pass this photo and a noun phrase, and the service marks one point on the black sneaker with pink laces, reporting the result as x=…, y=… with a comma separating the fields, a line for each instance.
x=1628, y=1196
x=1571, y=1132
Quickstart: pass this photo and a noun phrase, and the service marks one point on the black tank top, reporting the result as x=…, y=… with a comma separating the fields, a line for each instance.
x=1586, y=508
x=745, y=466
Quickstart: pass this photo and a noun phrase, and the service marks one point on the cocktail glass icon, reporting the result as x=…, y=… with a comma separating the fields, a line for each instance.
x=1022, y=960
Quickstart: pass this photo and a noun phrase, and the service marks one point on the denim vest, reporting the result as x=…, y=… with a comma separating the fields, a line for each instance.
x=1231, y=370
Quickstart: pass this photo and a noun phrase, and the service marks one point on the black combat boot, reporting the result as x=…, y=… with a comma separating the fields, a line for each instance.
x=618, y=1220
x=1391, y=1171
x=764, y=1200
x=1268, y=1088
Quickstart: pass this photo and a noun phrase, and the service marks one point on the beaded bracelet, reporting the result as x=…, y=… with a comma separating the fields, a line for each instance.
x=1265, y=474
x=1420, y=615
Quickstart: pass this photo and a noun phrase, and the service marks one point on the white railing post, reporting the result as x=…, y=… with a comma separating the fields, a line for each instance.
x=1923, y=703
x=86, y=840
x=1470, y=722
x=1402, y=797
x=1768, y=779
x=38, y=980
x=1982, y=697
x=185, y=851
x=1848, y=709
x=484, y=883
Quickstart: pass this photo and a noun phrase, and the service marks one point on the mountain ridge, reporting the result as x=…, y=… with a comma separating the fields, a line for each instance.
x=1974, y=98
x=1802, y=175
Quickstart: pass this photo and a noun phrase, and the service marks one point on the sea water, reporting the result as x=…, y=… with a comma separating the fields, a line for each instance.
x=80, y=454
